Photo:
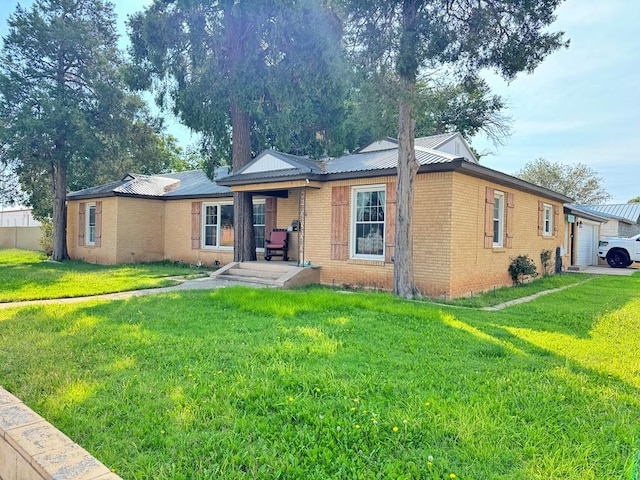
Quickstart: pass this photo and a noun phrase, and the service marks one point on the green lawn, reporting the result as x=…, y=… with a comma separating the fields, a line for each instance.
x=27, y=275
x=316, y=384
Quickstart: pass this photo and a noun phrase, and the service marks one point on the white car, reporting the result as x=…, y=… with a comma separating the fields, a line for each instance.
x=620, y=252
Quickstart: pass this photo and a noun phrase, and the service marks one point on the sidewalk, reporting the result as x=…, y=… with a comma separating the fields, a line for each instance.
x=206, y=283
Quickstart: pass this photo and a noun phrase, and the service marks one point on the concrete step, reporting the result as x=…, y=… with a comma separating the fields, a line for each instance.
x=228, y=277
x=246, y=272
x=278, y=275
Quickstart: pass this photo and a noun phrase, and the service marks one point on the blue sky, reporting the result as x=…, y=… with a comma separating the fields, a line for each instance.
x=581, y=105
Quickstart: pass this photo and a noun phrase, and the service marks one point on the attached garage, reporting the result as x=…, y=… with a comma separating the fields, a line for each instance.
x=587, y=251
x=583, y=230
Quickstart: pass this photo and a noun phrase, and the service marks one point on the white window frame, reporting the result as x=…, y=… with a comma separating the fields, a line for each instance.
x=498, y=220
x=354, y=221
x=260, y=248
x=547, y=220
x=218, y=206
x=218, y=225
x=90, y=229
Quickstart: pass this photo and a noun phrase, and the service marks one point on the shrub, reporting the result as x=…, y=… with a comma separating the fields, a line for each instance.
x=520, y=267
x=46, y=241
x=545, y=259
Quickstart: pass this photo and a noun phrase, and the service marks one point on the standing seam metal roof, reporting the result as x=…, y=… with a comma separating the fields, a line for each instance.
x=625, y=211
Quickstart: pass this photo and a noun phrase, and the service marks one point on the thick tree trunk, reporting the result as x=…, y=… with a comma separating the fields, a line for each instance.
x=407, y=66
x=403, y=283
x=60, y=211
x=244, y=244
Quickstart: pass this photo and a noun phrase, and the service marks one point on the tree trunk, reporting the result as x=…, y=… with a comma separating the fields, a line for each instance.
x=60, y=211
x=244, y=244
x=407, y=67
x=403, y=283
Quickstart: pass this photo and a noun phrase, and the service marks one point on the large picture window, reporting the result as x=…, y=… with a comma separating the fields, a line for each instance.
x=368, y=222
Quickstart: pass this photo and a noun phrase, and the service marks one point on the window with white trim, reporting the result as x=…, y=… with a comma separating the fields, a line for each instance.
x=498, y=219
x=368, y=222
x=547, y=220
x=259, y=223
x=90, y=233
x=217, y=224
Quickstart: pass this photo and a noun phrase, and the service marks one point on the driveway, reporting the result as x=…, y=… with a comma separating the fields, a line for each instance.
x=607, y=270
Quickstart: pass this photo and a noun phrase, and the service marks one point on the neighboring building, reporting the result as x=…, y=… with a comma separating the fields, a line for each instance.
x=468, y=220
x=18, y=217
x=623, y=219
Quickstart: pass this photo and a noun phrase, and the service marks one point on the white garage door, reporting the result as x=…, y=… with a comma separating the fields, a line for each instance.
x=587, y=244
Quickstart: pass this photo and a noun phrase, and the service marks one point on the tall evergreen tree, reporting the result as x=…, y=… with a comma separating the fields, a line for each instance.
x=65, y=111
x=405, y=36
x=246, y=74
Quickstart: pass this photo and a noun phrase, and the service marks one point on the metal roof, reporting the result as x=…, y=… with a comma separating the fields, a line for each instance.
x=382, y=159
x=621, y=211
x=170, y=185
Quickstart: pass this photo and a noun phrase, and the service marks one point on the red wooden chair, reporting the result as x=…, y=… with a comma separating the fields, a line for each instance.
x=277, y=242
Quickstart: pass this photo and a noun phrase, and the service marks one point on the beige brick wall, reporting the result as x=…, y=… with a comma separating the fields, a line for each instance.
x=475, y=268
x=107, y=252
x=178, y=235
x=140, y=236
x=448, y=228
x=317, y=242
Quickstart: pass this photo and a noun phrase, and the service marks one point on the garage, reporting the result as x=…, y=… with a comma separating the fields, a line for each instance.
x=587, y=243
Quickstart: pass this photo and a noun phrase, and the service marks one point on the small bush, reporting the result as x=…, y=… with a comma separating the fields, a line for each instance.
x=46, y=241
x=520, y=267
x=545, y=259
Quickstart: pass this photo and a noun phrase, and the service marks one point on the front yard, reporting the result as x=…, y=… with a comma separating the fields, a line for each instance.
x=26, y=275
x=315, y=383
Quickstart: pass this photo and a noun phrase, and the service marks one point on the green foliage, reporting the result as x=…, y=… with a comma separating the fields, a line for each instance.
x=522, y=266
x=68, y=120
x=280, y=63
x=46, y=240
x=546, y=257
x=577, y=181
x=441, y=106
x=634, y=200
x=256, y=383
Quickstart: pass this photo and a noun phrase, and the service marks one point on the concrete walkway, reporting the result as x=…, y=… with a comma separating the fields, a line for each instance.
x=205, y=283
x=591, y=270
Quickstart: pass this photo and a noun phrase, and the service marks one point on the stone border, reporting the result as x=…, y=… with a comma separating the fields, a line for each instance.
x=33, y=449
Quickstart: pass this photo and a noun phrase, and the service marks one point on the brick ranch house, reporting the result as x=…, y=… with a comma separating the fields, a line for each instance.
x=468, y=220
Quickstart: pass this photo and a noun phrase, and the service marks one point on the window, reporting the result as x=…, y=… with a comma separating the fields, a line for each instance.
x=217, y=224
x=367, y=229
x=259, y=222
x=90, y=234
x=498, y=219
x=547, y=220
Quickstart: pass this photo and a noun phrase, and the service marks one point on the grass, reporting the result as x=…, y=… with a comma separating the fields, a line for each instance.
x=28, y=275
x=505, y=294
x=243, y=383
